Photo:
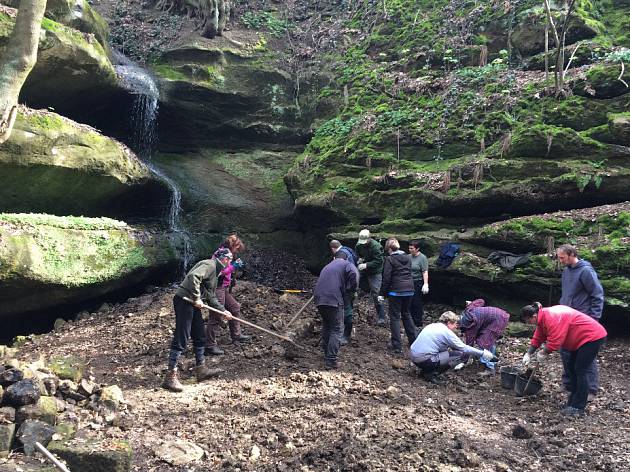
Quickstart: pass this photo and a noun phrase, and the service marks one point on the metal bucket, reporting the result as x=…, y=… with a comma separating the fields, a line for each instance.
x=508, y=376
x=532, y=389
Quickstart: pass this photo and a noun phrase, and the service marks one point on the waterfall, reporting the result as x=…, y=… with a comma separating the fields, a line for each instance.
x=143, y=121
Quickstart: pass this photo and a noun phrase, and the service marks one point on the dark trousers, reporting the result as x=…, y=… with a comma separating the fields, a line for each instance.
x=399, y=308
x=441, y=362
x=592, y=373
x=332, y=320
x=348, y=313
x=417, y=308
x=214, y=322
x=188, y=321
x=577, y=372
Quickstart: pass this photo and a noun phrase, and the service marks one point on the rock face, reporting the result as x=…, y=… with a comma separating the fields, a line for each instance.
x=223, y=94
x=69, y=259
x=72, y=73
x=75, y=170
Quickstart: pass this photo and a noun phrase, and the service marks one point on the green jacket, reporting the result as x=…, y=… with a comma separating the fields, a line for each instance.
x=201, y=282
x=372, y=255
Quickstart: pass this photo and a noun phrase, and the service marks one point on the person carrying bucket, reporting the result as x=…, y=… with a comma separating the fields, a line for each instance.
x=558, y=327
x=483, y=325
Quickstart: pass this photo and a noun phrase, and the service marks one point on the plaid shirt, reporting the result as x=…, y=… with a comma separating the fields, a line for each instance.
x=483, y=324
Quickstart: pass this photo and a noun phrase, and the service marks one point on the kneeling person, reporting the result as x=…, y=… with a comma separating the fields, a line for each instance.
x=437, y=348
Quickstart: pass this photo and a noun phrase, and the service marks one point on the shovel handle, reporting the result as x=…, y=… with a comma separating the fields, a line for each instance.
x=247, y=323
x=531, y=376
x=301, y=310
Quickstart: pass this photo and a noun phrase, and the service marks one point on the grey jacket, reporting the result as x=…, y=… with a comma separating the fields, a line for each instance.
x=582, y=290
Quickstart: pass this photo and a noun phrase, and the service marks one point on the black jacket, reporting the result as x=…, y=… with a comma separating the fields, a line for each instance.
x=397, y=274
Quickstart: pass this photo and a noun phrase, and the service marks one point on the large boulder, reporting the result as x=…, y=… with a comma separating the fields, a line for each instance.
x=54, y=165
x=77, y=14
x=221, y=94
x=73, y=72
x=47, y=260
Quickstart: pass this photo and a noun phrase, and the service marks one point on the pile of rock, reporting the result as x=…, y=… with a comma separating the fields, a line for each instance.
x=53, y=403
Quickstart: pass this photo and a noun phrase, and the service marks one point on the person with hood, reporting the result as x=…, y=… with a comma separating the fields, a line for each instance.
x=370, y=265
x=437, y=348
x=336, y=279
x=199, y=286
x=483, y=325
x=582, y=291
x=397, y=287
x=578, y=334
x=344, y=252
x=224, y=294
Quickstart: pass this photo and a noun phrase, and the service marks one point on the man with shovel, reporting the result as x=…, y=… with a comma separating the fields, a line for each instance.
x=199, y=287
x=335, y=280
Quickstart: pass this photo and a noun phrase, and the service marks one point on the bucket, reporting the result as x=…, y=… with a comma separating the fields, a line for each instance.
x=532, y=389
x=508, y=376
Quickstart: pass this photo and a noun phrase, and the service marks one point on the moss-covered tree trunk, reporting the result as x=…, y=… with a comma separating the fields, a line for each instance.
x=18, y=59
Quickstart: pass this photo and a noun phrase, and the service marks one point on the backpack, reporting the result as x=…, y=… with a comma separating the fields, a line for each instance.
x=448, y=252
x=352, y=256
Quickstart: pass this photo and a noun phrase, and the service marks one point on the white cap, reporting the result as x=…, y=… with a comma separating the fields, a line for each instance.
x=364, y=235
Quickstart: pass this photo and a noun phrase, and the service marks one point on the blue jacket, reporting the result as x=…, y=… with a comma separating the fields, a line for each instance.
x=351, y=256
x=581, y=289
x=335, y=279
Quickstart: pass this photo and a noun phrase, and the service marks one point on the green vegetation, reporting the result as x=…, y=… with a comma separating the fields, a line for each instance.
x=265, y=20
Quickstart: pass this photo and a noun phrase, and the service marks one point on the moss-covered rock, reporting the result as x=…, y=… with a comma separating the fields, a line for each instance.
x=77, y=14
x=211, y=93
x=44, y=410
x=67, y=368
x=603, y=81
x=73, y=72
x=70, y=259
x=74, y=169
x=108, y=455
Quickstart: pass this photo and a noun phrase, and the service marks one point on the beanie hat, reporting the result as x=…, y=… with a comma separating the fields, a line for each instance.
x=222, y=253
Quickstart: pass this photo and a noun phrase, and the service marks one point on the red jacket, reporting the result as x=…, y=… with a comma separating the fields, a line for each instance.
x=562, y=326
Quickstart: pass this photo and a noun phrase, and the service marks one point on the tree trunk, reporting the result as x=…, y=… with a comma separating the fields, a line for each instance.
x=18, y=59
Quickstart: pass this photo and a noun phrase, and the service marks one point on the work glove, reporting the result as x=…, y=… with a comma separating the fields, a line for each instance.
x=459, y=366
x=238, y=263
x=355, y=295
x=487, y=355
x=526, y=359
x=362, y=266
x=541, y=356
x=425, y=289
x=227, y=315
x=380, y=299
x=360, y=261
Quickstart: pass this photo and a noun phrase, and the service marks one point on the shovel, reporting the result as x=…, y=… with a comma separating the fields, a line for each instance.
x=299, y=312
x=531, y=376
x=247, y=323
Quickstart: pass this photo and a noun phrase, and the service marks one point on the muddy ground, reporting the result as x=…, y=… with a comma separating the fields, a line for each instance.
x=375, y=413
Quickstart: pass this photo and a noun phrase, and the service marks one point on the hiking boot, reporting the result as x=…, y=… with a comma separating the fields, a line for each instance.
x=345, y=341
x=433, y=378
x=171, y=382
x=591, y=397
x=381, y=322
x=572, y=411
x=203, y=372
x=213, y=351
x=395, y=350
x=242, y=338
x=332, y=365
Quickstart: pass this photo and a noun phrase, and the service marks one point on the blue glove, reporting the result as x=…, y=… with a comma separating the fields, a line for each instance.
x=238, y=263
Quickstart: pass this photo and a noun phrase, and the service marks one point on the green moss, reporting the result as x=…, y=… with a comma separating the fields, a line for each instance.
x=73, y=251
x=168, y=72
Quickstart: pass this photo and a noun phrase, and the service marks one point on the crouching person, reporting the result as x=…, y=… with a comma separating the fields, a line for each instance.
x=437, y=348
x=335, y=280
x=483, y=325
x=578, y=334
x=199, y=285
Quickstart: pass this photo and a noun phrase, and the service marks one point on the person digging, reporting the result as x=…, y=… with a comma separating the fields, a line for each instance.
x=199, y=285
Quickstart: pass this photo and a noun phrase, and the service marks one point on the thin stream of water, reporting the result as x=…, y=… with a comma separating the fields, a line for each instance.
x=144, y=137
